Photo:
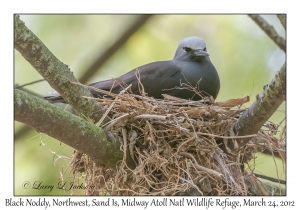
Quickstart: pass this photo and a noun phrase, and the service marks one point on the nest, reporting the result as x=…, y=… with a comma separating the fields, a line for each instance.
x=175, y=144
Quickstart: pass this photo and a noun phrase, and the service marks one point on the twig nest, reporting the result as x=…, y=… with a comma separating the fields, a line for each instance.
x=175, y=145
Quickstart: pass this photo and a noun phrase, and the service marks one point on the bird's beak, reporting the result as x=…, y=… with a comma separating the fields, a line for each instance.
x=200, y=53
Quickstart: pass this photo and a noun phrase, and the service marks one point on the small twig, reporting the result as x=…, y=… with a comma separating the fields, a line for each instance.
x=199, y=167
x=95, y=89
x=282, y=19
x=111, y=106
x=270, y=31
x=263, y=145
x=191, y=183
x=114, y=121
x=259, y=187
x=30, y=83
x=105, y=114
x=153, y=139
x=272, y=179
x=183, y=143
x=151, y=116
x=227, y=137
x=132, y=142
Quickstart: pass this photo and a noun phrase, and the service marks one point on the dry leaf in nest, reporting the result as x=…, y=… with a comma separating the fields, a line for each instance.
x=233, y=102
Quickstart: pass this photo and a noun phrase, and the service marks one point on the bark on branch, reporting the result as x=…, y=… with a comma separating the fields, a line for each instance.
x=282, y=19
x=270, y=31
x=137, y=24
x=57, y=74
x=263, y=108
x=100, y=145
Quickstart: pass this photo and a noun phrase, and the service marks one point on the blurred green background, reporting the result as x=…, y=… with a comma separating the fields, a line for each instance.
x=245, y=57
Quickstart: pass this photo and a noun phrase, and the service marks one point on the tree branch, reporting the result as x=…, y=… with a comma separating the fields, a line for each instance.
x=272, y=179
x=271, y=189
x=282, y=19
x=57, y=74
x=262, y=109
x=270, y=31
x=140, y=21
x=100, y=145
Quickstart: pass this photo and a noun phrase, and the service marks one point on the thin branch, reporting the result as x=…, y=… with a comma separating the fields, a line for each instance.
x=30, y=83
x=282, y=19
x=272, y=179
x=151, y=116
x=270, y=31
x=139, y=22
x=100, y=145
x=57, y=74
x=268, y=152
x=263, y=108
x=228, y=137
x=199, y=167
x=258, y=186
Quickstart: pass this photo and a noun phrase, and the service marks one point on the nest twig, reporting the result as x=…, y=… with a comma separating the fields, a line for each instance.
x=175, y=144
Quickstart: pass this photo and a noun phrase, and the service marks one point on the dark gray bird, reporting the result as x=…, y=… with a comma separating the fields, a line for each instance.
x=190, y=66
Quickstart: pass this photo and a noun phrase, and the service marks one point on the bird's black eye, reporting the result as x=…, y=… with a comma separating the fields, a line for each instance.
x=204, y=49
x=187, y=49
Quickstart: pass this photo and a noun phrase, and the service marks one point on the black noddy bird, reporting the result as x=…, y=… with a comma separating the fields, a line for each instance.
x=190, y=66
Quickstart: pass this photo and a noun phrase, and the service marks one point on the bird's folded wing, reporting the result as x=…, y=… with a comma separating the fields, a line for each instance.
x=153, y=76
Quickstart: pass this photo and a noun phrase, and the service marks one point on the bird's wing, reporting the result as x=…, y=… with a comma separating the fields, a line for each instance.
x=154, y=77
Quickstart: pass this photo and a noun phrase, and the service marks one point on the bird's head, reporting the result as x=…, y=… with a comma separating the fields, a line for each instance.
x=191, y=49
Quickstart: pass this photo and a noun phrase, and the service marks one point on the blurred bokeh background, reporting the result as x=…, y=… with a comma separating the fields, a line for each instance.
x=245, y=57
